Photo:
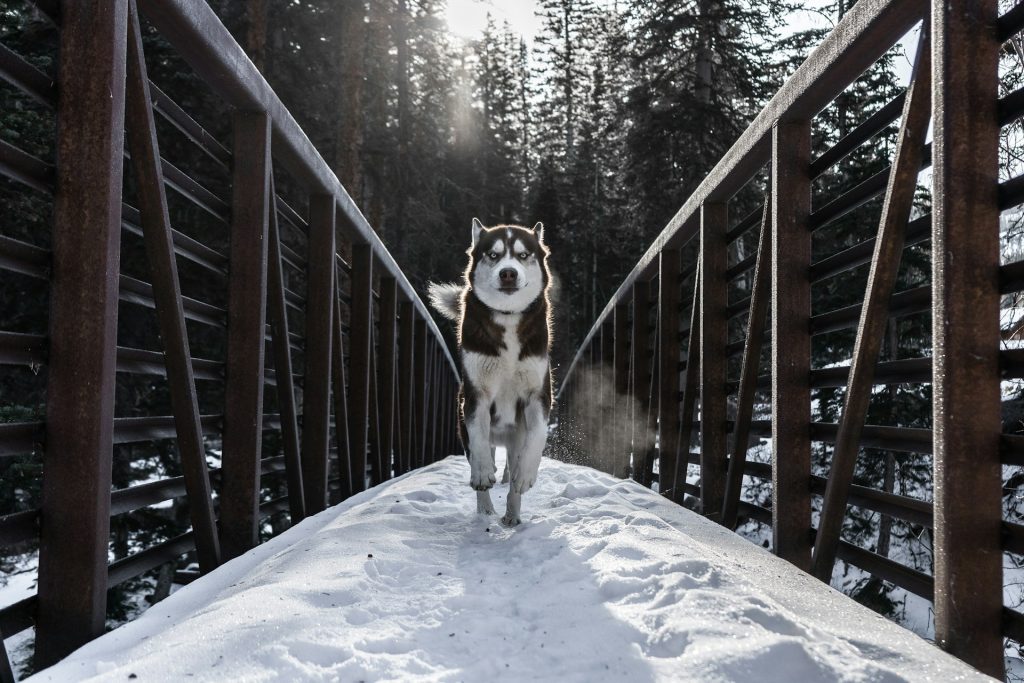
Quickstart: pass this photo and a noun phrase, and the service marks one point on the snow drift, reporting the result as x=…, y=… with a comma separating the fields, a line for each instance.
x=604, y=580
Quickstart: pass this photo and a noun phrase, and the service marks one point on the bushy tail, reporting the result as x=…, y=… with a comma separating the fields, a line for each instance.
x=444, y=297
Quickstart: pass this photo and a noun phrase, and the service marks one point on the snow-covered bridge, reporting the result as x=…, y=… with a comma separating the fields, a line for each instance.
x=605, y=580
x=222, y=347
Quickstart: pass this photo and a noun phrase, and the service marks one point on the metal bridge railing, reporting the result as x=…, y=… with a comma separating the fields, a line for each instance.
x=715, y=325
x=268, y=262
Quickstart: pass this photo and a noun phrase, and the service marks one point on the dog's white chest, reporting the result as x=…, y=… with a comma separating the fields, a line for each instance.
x=506, y=379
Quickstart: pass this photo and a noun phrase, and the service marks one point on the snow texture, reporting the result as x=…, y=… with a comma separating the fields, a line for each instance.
x=603, y=581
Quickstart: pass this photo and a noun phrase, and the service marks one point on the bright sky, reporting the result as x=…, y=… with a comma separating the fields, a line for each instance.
x=467, y=18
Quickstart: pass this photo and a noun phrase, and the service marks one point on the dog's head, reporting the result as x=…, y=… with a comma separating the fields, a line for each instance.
x=508, y=268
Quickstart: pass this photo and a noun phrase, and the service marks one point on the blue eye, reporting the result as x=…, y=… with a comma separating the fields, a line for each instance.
x=524, y=255
x=493, y=256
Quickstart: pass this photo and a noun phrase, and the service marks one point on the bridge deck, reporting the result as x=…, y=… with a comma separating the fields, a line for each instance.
x=604, y=581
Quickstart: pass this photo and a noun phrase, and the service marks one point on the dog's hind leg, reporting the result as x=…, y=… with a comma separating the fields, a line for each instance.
x=526, y=465
x=513, y=509
x=515, y=499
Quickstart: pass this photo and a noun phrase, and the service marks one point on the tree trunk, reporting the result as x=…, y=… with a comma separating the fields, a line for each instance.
x=570, y=115
x=351, y=52
x=705, y=76
x=401, y=30
x=256, y=32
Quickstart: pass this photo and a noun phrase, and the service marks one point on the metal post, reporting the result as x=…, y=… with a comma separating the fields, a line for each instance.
x=713, y=336
x=406, y=387
x=641, y=373
x=668, y=377
x=316, y=403
x=419, y=393
x=386, y=372
x=247, y=287
x=339, y=387
x=965, y=329
x=360, y=342
x=791, y=343
x=620, y=463
x=83, y=329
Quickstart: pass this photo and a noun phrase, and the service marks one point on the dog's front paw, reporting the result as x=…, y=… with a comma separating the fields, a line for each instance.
x=511, y=519
x=522, y=484
x=482, y=481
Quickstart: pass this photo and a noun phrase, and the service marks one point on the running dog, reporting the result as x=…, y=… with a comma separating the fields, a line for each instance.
x=502, y=312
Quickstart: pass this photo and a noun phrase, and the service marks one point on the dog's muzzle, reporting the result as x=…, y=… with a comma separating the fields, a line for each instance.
x=508, y=279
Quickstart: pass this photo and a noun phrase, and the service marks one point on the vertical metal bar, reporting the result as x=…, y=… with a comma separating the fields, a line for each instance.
x=668, y=376
x=435, y=414
x=419, y=393
x=156, y=230
x=450, y=412
x=874, y=314
x=83, y=330
x=748, y=370
x=360, y=341
x=620, y=462
x=388, y=310
x=641, y=371
x=375, y=459
x=424, y=414
x=791, y=342
x=442, y=410
x=965, y=328
x=439, y=407
x=278, y=314
x=608, y=446
x=432, y=402
x=339, y=389
x=446, y=404
x=691, y=389
x=6, y=672
x=316, y=397
x=713, y=336
x=406, y=386
x=247, y=287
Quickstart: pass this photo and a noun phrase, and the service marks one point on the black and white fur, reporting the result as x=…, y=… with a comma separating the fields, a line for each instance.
x=502, y=310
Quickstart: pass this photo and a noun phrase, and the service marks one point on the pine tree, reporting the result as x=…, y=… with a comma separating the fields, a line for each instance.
x=700, y=76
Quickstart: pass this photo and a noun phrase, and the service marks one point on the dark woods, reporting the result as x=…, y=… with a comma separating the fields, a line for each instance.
x=599, y=129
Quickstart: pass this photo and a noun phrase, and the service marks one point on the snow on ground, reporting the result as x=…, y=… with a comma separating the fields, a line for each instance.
x=604, y=581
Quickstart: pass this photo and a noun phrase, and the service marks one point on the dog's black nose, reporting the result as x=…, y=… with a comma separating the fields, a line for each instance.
x=508, y=277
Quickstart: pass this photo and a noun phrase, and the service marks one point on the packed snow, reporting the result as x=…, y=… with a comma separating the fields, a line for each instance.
x=604, y=580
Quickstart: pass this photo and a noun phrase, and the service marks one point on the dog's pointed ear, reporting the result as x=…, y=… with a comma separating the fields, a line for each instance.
x=539, y=230
x=477, y=229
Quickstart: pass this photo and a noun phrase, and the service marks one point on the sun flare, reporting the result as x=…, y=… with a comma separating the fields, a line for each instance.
x=467, y=18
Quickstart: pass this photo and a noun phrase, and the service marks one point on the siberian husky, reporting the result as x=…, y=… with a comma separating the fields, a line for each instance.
x=503, y=317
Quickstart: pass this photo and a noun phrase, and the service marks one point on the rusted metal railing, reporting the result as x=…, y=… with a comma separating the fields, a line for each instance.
x=342, y=313
x=698, y=282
